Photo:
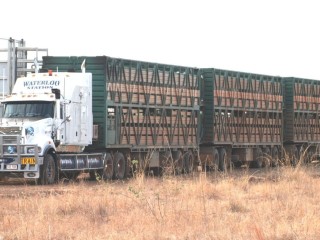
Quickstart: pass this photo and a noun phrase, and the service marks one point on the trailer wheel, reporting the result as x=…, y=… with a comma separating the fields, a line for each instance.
x=275, y=161
x=223, y=160
x=48, y=171
x=266, y=161
x=166, y=163
x=178, y=161
x=311, y=155
x=119, y=166
x=215, y=163
x=188, y=161
x=258, y=158
x=294, y=155
x=305, y=154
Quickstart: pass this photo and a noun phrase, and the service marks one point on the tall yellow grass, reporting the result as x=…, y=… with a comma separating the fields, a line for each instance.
x=281, y=203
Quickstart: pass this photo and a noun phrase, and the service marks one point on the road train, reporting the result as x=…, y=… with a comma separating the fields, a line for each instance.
x=118, y=115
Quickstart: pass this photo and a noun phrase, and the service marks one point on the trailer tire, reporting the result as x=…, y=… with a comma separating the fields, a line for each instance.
x=295, y=156
x=266, y=157
x=223, y=160
x=311, y=155
x=166, y=163
x=275, y=161
x=119, y=166
x=48, y=171
x=258, y=161
x=178, y=161
x=188, y=161
x=216, y=159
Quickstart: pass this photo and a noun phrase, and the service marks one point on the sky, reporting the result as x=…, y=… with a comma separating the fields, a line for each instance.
x=272, y=37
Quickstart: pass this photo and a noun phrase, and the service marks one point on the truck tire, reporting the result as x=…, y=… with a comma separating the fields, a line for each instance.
x=107, y=172
x=48, y=171
x=119, y=166
x=108, y=169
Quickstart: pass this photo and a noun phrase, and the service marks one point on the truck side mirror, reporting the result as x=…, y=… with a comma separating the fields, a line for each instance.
x=56, y=92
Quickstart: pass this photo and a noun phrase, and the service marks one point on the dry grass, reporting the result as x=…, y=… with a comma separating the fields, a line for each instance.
x=279, y=204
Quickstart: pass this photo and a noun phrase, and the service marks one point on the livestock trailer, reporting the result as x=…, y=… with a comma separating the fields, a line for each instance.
x=302, y=118
x=146, y=113
x=241, y=118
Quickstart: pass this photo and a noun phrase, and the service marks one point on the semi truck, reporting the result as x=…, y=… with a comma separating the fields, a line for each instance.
x=100, y=115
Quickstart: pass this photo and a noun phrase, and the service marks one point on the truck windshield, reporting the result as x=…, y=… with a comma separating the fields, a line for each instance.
x=37, y=109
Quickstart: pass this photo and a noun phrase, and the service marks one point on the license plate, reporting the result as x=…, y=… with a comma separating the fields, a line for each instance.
x=12, y=167
x=28, y=160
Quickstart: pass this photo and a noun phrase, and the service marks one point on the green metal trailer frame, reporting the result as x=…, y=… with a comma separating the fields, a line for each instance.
x=301, y=130
x=242, y=116
x=140, y=107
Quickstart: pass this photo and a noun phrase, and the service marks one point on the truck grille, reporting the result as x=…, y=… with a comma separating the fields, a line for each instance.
x=9, y=139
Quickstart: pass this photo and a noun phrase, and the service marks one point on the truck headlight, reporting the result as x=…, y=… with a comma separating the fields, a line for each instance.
x=31, y=150
x=10, y=149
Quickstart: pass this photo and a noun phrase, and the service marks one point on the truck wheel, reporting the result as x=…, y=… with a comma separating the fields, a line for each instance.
x=119, y=166
x=188, y=161
x=107, y=172
x=48, y=171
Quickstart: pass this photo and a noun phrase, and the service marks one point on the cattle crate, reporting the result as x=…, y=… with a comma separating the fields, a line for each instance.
x=139, y=104
x=301, y=113
x=241, y=108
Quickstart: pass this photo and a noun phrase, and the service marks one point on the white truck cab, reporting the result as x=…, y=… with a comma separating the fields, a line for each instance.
x=46, y=114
